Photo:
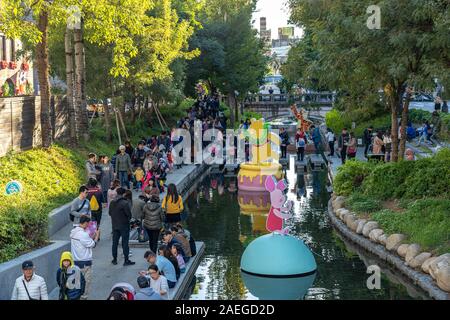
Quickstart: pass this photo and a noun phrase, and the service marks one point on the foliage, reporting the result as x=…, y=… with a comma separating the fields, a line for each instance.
x=426, y=222
x=388, y=180
x=232, y=57
x=363, y=203
x=251, y=115
x=336, y=122
x=418, y=116
x=350, y=176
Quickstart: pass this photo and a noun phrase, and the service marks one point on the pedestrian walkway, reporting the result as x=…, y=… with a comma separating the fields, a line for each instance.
x=105, y=274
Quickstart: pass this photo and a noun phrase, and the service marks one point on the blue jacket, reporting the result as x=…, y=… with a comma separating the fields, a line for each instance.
x=147, y=294
x=316, y=135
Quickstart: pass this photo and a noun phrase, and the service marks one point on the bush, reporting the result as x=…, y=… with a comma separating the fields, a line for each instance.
x=335, y=121
x=426, y=222
x=379, y=123
x=430, y=178
x=362, y=203
x=250, y=115
x=387, y=180
x=49, y=179
x=350, y=176
x=418, y=116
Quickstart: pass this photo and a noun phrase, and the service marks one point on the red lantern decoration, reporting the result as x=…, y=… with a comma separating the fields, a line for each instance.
x=13, y=65
x=3, y=64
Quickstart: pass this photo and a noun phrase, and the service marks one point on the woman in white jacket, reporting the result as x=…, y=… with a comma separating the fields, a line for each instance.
x=29, y=286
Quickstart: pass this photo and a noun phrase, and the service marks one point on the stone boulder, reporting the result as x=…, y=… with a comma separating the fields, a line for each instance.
x=375, y=234
x=382, y=239
x=349, y=217
x=394, y=241
x=361, y=225
x=443, y=278
x=426, y=265
x=412, y=252
x=438, y=263
x=343, y=213
x=369, y=226
x=402, y=250
x=338, y=203
x=353, y=223
x=418, y=260
x=338, y=211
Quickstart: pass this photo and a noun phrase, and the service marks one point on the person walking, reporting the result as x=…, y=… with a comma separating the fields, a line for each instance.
x=378, y=145
x=153, y=218
x=120, y=213
x=352, y=147
x=139, y=155
x=80, y=206
x=284, y=142
x=173, y=205
x=367, y=137
x=95, y=197
x=331, y=139
x=81, y=249
x=344, y=139
x=316, y=138
x=29, y=286
x=91, y=168
x=146, y=292
x=70, y=280
x=300, y=141
x=106, y=176
x=387, y=142
x=123, y=167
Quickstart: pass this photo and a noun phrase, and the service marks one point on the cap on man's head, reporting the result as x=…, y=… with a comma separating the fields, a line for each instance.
x=26, y=265
x=143, y=282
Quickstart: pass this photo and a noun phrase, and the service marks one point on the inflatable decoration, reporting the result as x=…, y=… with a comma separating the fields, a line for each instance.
x=252, y=175
x=278, y=265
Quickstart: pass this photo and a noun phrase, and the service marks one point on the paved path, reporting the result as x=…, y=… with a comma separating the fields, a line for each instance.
x=105, y=274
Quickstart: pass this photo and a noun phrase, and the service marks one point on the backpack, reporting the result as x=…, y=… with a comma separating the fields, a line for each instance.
x=94, y=203
x=301, y=143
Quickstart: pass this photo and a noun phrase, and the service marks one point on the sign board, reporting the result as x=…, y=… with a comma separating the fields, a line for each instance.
x=13, y=187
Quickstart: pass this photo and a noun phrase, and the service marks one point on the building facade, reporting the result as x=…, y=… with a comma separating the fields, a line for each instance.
x=16, y=72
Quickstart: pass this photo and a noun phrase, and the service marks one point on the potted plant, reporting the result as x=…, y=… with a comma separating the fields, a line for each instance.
x=3, y=64
x=13, y=65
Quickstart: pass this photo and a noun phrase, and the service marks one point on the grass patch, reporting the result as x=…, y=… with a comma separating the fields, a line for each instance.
x=50, y=178
x=362, y=203
x=426, y=222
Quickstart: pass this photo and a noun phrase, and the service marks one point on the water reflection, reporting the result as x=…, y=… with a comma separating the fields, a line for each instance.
x=278, y=288
x=227, y=220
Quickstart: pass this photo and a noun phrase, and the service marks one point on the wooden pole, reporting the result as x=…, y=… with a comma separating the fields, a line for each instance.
x=117, y=124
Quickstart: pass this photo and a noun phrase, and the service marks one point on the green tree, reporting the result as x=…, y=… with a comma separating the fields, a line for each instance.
x=406, y=51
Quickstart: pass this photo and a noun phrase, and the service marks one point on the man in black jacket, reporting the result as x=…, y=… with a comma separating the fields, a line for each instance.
x=367, y=139
x=120, y=213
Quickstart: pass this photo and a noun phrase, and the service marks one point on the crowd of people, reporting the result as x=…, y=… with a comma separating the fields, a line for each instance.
x=109, y=187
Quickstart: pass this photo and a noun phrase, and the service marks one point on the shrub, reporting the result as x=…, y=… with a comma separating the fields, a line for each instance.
x=426, y=222
x=335, y=121
x=350, y=176
x=251, y=115
x=430, y=178
x=387, y=180
x=362, y=203
x=418, y=116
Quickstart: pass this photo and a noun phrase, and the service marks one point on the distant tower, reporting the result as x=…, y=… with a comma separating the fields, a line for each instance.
x=265, y=34
x=262, y=24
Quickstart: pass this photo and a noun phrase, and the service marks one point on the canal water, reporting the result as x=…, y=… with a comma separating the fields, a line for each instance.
x=227, y=220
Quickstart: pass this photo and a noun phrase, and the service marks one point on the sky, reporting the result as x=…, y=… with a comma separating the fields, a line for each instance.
x=277, y=14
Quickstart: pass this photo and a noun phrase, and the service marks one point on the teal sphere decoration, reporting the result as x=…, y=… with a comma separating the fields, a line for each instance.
x=278, y=256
